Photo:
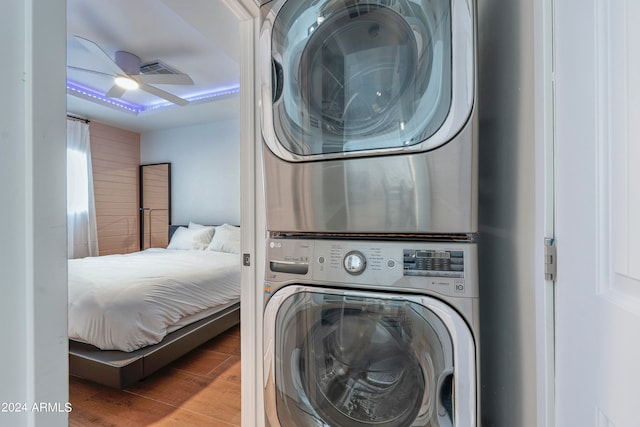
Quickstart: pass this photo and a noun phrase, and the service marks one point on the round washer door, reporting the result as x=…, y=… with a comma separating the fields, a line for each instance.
x=350, y=358
x=358, y=77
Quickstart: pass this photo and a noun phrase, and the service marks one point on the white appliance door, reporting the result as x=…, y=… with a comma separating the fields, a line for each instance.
x=352, y=77
x=346, y=358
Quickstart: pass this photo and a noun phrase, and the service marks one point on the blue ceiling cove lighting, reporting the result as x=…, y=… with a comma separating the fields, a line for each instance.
x=93, y=95
x=89, y=94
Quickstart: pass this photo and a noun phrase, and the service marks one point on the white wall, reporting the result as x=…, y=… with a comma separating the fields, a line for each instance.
x=205, y=170
x=33, y=265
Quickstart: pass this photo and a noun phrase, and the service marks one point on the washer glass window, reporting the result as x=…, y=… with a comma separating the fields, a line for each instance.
x=349, y=360
x=360, y=75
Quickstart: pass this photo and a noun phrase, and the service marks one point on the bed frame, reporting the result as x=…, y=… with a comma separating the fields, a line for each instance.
x=119, y=369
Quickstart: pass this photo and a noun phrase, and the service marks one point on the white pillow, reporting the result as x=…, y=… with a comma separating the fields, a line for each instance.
x=226, y=239
x=210, y=228
x=196, y=225
x=187, y=239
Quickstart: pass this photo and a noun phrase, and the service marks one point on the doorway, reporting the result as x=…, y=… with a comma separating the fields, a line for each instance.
x=155, y=205
x=249, y=177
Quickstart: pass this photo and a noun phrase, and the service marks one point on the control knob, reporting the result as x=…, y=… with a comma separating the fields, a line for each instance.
x=354, y=262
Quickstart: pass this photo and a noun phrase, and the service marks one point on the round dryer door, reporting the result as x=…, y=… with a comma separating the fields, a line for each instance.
x=352, y=77
x=363, y=359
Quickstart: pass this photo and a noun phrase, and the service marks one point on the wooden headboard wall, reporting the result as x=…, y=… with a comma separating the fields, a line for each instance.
x=115, y=154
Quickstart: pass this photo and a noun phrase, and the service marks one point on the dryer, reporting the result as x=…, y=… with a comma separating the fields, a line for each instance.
x=369, y=333
x=368, y=116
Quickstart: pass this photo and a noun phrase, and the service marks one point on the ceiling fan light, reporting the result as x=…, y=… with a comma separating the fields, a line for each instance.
x=126, y=83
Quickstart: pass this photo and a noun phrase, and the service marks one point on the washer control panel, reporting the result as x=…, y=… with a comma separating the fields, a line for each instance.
x=446, y=268
x=433, y=263
x=354, y=262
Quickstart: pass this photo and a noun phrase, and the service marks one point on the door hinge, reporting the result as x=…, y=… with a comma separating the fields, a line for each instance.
x=550, y=258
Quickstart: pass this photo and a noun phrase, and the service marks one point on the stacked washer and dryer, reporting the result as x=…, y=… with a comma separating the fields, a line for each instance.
x=370, y=169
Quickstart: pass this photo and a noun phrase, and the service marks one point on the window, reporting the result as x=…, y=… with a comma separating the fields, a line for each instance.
x=82, y=233
x=77, y=182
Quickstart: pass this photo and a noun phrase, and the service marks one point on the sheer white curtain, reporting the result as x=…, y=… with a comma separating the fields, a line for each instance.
x=82, y=231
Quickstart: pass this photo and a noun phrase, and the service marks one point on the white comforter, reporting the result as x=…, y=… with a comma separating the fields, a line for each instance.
x=125, y=302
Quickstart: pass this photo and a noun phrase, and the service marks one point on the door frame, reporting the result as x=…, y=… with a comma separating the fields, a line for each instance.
x=251, y=216
x=35, y=205
x=33, y=191
x=544, y=109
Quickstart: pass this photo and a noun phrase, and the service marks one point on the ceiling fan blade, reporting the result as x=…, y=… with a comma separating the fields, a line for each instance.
x=165, y=79
x=97, y=51
x=115, y=92
x=163, y=94
x=86, y=70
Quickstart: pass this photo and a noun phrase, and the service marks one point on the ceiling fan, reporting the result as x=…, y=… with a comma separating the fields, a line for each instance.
x=126, y=71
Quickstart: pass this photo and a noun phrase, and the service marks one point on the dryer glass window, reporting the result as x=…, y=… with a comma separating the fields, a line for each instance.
x=361, y=361
x=360, y=75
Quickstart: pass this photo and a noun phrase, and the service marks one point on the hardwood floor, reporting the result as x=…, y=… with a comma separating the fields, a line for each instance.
x=200, y=389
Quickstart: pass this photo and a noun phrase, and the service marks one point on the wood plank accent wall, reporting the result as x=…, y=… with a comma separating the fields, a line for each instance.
x=115, y=154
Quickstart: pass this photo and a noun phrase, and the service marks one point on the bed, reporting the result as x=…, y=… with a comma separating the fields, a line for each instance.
x=130, y=315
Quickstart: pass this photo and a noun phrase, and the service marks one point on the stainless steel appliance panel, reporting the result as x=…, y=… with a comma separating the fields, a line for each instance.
x=428, y=192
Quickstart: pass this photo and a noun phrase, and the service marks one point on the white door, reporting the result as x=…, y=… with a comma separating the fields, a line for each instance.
x=597, y=212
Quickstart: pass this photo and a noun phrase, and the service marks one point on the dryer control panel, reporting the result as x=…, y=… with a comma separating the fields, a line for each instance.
x=442, y=267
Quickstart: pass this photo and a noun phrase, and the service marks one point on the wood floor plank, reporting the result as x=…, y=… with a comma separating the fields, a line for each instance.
x=182, y=418
x=213, y=397
x=80, y=389
x=117, y=408
x=201, y=362
x=200, y=389
x=228, y=371
x=226, y=343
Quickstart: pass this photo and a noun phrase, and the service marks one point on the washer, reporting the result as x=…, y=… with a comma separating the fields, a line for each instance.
x=369, y=333
x=368, y=116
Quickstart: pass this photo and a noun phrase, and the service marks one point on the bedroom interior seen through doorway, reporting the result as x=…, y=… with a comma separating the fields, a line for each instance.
x=178, y=170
